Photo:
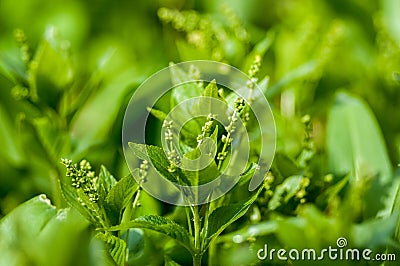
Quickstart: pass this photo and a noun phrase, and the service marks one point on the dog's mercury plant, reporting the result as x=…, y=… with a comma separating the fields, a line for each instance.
x=110, y=205
x=104, y=201
x=206, y=221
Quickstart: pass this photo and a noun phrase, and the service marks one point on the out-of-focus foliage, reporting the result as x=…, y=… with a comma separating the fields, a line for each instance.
x=68, y=68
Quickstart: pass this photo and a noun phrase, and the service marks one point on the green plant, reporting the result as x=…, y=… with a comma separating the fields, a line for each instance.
x=333, y=87
x=103, y=201
x=108, y=205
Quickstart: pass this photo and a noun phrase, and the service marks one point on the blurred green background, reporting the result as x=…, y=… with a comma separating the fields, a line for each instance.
x=68, y=69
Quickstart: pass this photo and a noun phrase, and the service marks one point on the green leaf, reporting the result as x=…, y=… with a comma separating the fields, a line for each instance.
x=54, y=140
x=160, y=115
x=391, y=18
x=250, y=231
x=98, y=114
x=375, y=233
x=223, y=216
x=161, y=225
x=355, y=145
x=211, y=90
x=96, y=209
x=54, y=62
x=298, y=73
x=169, y=262
x=72, y=198
x=116, y=247
x=333, y=191
x=311, y=228
x=285, y=191
x=122, y=193
x=201, y=156
x=354, y=140
x=36, y=233
x=185, y=131
x=248, y=174
x=156, y=156
x=106, y=179
x=11, y=149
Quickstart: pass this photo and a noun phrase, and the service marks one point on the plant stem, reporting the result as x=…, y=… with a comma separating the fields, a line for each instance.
x=211, y=253
x=197, y=241
x=127, y=217
x=197, y=260
x=127, y=247
x=189, y=221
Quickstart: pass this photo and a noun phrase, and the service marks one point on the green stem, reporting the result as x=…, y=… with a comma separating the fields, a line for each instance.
x=127, y=217
x=196, y=219
x=197, y=239
x=136, y=200
x=127, y=248
x=197, y=260
x=189, y=220
x=211, y=253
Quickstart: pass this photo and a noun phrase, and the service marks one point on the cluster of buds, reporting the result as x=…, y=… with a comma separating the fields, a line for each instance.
x=20, y=37
x=255, y=67
x=172, y=154
x=83, y=178
x=239, y=104
x=230, y=129
x=206, y=129
x=143, y=170
x=253, y=71
x=305, y=182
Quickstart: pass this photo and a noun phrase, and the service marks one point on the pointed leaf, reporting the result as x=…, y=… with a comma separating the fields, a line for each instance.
x=248, y=174
x=36, y=233
x=223, y=216
x=116, y=247
x=122, y=193
x=156, y=156
x=202, y=157
x=301, y=72
x=160, y=115
x=355, y=145
x=161, y=225
x=211, y=90
x=72, y=198
x=169, y=262
x=285, y=191
x=106, y=179
x=202, y=176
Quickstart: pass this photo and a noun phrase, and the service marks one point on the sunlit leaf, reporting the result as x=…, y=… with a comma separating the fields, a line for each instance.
x=116, y=247
x=356, y=146
x=121, y=194
x=224, y=216
x=162, y=225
